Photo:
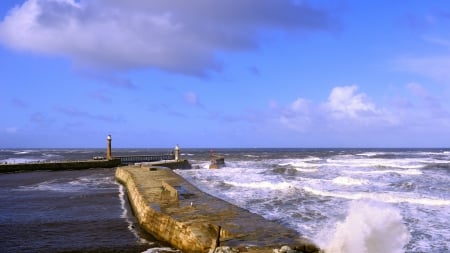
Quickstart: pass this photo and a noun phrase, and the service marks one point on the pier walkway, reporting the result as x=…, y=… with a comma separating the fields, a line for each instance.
x=144, y=158
x=175, y=211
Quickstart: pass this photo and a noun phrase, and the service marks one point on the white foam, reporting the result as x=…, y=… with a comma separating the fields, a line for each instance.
x=160, y=249
x=21, y=152
x=20, y=160
x=261, y=185
x=53, y=186
x=382, y=197
x=410, y=172
x=354, y=162
x=125, y=216
x=349, y=181
x=77, y=185
x=292, y=162
x=50, y=155
x=371, y=154
x=308, y=170
x=368, y=228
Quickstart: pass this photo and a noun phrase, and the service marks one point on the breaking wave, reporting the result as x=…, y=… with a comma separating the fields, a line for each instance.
x=368, y=228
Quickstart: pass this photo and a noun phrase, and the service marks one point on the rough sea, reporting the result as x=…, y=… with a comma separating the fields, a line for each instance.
x=345, y=200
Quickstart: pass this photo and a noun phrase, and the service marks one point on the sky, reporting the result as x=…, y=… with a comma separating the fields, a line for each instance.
x=201, y=73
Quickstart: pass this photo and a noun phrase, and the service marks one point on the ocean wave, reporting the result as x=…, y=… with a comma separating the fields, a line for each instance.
x=160, y=249
x=251, y=156
x=377, y=162
x=349, y=181
x=79, y=185
x=382, y=197
x=21, y=152
x=410, y=172
x=21, y=160
x=371, y=154
x=303, y=162
x=368, y=227
x=51, y=155
x=307, y=170
x=261, y=185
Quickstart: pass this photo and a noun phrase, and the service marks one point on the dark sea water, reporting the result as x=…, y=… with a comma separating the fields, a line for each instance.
x=66, y=211
x=346, y=200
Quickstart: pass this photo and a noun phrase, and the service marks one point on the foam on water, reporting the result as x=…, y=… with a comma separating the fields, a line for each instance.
x=78, y=185
x=299, y=162
x=308, y=192
x=261, y=185
x=403, y=172
x=368, y=228
x=382, y=197
x=371, y=154
x=160, y=249
x=23, y=152
x=349, y=181
x=21, y=160
x=125, y=215
x=308, y=170
x=376, y=162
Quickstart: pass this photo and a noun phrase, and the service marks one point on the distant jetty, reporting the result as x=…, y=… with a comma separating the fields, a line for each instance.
x=108, y=161
x=56, y=166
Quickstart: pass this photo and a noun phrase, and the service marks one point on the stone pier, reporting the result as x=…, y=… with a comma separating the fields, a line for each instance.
x=175, y=211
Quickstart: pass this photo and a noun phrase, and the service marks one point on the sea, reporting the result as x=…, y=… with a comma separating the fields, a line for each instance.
x=345, y=200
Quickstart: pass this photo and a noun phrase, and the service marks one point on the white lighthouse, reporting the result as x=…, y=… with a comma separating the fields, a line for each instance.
x=177, y=153
x=108, y=147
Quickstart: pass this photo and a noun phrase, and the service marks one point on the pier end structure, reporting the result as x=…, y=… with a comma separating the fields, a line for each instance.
x=175, y=211
x=108, y=147
x=169, y=157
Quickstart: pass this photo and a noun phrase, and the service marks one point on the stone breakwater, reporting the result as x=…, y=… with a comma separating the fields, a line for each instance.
x=57, y=166
x=175, y=211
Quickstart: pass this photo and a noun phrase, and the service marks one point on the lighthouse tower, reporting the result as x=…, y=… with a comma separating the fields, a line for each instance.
x=177, y=153
x=108, y=147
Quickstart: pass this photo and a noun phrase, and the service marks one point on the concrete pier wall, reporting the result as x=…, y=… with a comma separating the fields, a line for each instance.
x=175, y=211
x=162, y=226
x=63, y=165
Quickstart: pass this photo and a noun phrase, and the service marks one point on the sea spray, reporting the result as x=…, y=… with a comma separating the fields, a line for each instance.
x=370, y=227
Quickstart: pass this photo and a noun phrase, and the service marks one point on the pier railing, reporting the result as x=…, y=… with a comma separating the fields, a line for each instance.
x=145, y=158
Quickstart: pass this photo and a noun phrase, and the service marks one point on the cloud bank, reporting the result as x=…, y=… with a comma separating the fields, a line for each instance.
x=176, y=36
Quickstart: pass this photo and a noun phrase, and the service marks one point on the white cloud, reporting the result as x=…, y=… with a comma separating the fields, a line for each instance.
x=177, y=36
x=345, y=109
x=296, y=116
x=300, y=105
x=344, y=102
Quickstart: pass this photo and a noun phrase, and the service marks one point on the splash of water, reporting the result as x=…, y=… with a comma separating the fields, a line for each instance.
x=370, y=227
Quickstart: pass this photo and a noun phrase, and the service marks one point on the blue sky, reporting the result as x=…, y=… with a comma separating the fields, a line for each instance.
x=255, y=73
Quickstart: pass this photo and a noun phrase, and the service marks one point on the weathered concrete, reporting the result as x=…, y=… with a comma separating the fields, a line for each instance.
x=190, y=221
x=63, y=165
x=171, y=164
